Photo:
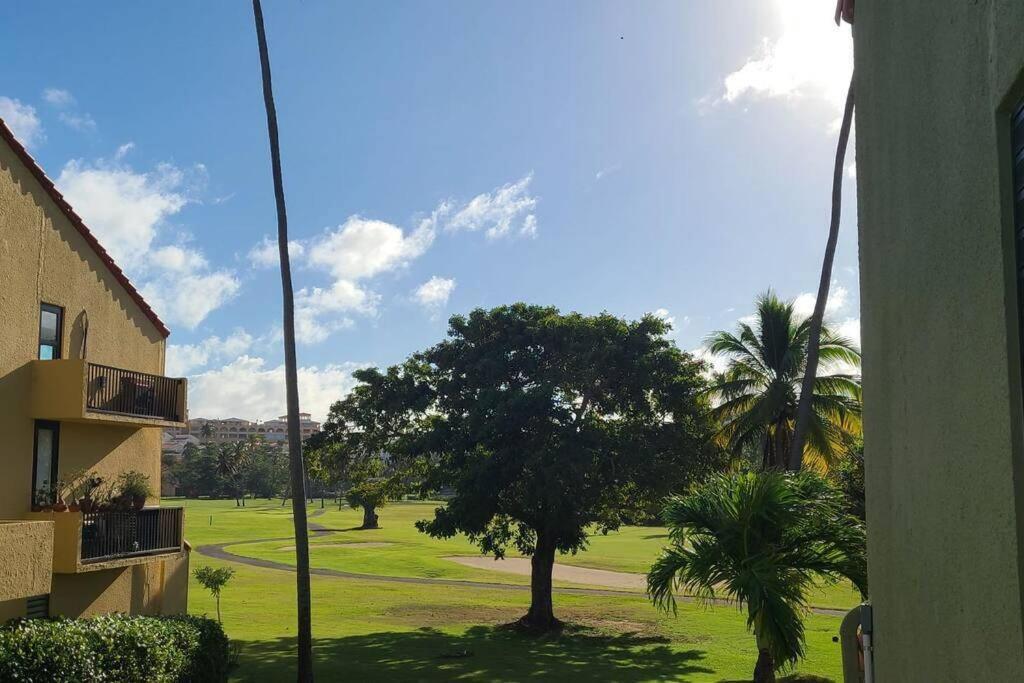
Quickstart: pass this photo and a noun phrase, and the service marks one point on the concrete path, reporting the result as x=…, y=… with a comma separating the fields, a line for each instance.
x=561, y=572
x=219, y=551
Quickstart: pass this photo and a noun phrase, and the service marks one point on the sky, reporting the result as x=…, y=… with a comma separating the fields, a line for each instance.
x=669, y=157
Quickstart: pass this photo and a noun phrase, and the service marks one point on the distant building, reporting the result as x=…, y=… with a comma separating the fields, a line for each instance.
x=174, y=444
x=234, y=429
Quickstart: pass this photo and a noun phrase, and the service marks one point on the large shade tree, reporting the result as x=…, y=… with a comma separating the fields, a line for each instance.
x=756, y=396
x=763, y=540
x=366, y=435
x=548, y=426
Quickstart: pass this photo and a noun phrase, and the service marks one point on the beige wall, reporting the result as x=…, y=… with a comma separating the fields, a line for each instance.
x=942, y=420
x=43, y=258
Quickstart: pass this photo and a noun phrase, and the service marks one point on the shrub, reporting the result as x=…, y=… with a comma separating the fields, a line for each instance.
x=114, y=648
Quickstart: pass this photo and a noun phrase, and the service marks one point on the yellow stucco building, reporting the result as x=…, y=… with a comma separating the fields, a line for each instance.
x=81, y=389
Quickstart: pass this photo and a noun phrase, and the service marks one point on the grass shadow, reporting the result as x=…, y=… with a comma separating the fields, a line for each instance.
x=481, y=653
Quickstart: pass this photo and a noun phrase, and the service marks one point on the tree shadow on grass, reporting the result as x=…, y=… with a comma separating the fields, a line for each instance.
x=482, y=653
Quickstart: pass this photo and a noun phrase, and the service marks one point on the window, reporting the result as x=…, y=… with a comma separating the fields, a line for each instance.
x=51, y=324
x=44, y=461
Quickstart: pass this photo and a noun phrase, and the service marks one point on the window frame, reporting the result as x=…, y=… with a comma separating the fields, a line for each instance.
x=37, y=426
x=59, y=312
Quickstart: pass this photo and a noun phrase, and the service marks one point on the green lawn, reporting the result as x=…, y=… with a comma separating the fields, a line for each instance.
x=401, y=632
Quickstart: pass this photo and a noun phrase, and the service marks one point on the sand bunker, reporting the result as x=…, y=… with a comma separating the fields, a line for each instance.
x=561, y=572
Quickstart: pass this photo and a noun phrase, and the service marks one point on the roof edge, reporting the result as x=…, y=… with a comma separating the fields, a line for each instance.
x=40, y=175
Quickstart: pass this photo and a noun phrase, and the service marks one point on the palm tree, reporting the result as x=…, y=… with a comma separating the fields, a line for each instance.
x=297, y=469
x=761, y=540
x=756, y=396
x=805, y=407
x=206, y=431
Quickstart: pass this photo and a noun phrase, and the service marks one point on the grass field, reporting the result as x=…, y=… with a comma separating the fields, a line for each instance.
x=374, y=630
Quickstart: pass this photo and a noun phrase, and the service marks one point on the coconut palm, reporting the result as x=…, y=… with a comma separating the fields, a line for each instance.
x=756, y=397
x=762, y=540
x=291, y=381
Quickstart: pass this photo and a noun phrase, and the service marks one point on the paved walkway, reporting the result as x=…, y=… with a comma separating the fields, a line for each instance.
x=219, y=551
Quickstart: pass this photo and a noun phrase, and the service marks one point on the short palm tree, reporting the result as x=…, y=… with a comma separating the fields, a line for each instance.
x=762, y=540
x=756, y=396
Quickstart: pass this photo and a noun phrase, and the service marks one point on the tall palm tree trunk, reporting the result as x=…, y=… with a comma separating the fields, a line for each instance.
x=803, y=415
x=298, y=492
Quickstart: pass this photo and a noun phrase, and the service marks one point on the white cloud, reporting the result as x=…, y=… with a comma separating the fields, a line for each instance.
x=501, y=212
x=838, y=297
x=182, y=359
x=58, y=97
x=607, y=171
x=361, y=248
x=808, y=57
x=77, y=121
x=123, y=150
x=715, y=363
x=265, y=253
x=130, y=212
x=124, y=208
x=189, y=299
x=247, y=387
x=22, y=120
x=434, y=293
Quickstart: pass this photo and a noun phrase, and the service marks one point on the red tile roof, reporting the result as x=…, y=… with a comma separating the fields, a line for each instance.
x=76, y=221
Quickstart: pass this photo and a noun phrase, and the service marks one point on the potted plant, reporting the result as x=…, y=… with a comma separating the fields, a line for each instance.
x=43, y=499
x=85, y=491
x=134, y=489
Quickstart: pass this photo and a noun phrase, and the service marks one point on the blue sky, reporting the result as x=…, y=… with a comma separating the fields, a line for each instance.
x=629, y=157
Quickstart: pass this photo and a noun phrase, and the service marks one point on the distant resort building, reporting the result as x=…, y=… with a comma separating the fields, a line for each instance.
x=234, y=429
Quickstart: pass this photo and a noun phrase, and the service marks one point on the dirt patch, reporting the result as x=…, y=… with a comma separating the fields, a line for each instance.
x=365, y=544
x=561, y=572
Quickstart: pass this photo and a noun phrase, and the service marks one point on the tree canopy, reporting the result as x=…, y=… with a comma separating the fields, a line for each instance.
x=360, y=444
x=547, y=426
x=762, y=539
x=756, y=397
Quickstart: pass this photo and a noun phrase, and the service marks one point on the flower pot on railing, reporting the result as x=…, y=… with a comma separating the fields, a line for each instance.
x=138, y=502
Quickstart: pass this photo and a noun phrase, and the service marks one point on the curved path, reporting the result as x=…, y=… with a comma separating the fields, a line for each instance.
x=219, y=551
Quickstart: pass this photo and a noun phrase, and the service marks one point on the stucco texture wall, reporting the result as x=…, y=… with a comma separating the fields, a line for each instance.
x=27, y=559
x=942, y=403
x=152, y=588
x=43, y=258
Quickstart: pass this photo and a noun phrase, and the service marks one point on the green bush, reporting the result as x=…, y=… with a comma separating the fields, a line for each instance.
x=114, y=648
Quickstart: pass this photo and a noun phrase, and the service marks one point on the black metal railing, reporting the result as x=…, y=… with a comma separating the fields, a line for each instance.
x=113, y=535
x=126, y=392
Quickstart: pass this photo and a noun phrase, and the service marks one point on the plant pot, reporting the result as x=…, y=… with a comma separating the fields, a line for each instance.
x=36, y=507
x=60, y=507
x=138, y=502
x=46, y=508
x=74, y=507
x=86, y=504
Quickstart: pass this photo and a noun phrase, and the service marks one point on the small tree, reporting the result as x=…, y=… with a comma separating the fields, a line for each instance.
x=760, y=539
x=549, y=425
x=214, y=579
x=365, y=440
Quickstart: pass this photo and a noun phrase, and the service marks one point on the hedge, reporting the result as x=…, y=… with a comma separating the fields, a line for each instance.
x=115, y=648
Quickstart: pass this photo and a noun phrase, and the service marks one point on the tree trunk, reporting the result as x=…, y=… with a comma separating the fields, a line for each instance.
x=764, y=670
x=297, y=467
x=541, y=616
x=370, y=518
x=803, y=414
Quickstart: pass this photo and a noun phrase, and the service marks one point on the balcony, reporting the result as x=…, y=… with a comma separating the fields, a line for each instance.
x=89, y=541
x=75, y=390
